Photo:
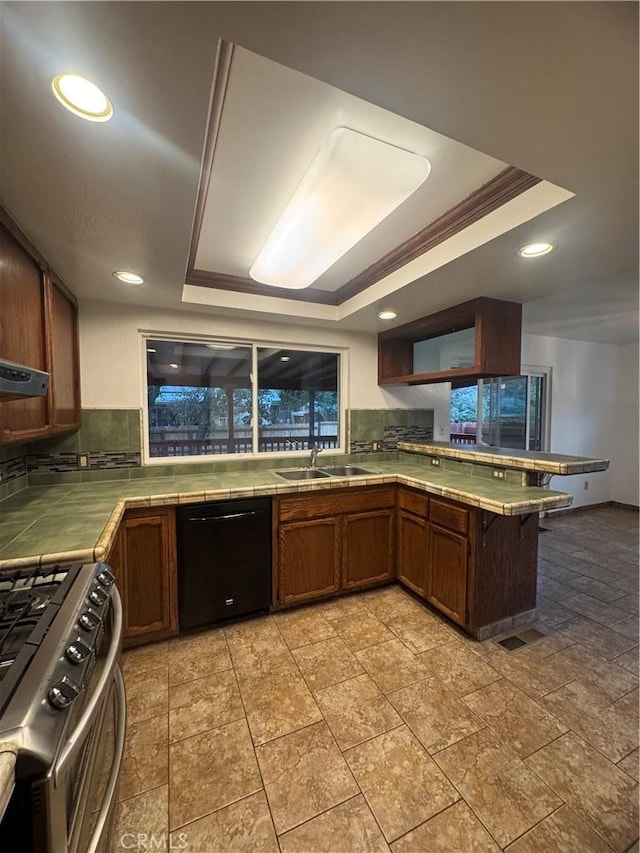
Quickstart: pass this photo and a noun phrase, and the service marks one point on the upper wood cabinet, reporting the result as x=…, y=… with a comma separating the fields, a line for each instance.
x=22, y=334
x=38, y=328
x=64, y=357
x=478, y=338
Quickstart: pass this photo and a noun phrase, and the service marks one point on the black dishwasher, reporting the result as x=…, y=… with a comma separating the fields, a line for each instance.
x=224, y=560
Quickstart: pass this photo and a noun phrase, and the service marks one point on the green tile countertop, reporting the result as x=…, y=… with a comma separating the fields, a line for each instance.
x=58, y=523
x=506, y=457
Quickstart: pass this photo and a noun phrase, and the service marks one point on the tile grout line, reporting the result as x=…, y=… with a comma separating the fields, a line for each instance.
x=253, y=745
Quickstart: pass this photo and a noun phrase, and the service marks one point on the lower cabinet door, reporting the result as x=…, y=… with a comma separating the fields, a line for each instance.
x=367, y=548
x=447, y=572
x=308, y=559
x=143, y=559
x=412, y=552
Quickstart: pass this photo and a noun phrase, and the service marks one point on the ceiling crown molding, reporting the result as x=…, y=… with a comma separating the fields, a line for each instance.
x=504, y=187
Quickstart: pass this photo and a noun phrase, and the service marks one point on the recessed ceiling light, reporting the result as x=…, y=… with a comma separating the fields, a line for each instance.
x=175, y=366
x=82, y=97
x=534, y=250
x=128, y=277
x=285, y=358
x=387, y=315
x=220, y=346
x=151, y=349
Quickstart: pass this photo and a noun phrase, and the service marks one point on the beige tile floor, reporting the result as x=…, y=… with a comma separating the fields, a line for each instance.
x=370, y=723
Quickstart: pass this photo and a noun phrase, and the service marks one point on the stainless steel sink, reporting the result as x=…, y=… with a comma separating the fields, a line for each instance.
x=346, y=471
x=302, y=474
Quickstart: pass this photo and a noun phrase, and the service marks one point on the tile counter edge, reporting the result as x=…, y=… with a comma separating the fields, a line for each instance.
x=524, y=460
x=540, y=499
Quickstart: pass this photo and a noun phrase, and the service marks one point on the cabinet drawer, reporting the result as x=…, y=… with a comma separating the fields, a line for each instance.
x=413, y=502
x=334, y=503
x=448, y=515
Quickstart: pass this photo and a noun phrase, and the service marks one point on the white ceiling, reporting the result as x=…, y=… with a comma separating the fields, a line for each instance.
x=551, y=88
x=274, y=121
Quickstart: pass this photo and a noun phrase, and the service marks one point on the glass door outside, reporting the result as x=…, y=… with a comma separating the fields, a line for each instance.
x=513, y=411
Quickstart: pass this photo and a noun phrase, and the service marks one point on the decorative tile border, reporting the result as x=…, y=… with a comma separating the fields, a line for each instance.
x=11, y=469
x=125, y=459
x=58, y=463
x=391, y=435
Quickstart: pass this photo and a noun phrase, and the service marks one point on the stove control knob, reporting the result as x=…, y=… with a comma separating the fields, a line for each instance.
x=106, y=577
x=77, y=651
x=63, y=693
x=98, y=597
x=88, y=620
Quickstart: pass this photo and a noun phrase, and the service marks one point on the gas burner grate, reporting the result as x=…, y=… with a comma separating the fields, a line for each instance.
x=29, y=601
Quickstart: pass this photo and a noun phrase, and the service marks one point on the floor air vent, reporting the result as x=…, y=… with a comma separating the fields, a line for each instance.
x=516, y=641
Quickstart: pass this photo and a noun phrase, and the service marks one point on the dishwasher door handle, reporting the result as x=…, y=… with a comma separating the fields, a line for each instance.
x=206, y=519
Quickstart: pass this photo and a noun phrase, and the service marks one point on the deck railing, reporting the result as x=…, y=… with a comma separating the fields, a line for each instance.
x=170, y=447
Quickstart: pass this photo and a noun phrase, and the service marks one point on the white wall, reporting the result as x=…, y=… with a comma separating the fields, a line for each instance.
x=583, y=405
x=111, y=356
x=594, y=386
x=625, y=429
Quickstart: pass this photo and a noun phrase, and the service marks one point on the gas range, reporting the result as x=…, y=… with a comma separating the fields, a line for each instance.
x=60, y=691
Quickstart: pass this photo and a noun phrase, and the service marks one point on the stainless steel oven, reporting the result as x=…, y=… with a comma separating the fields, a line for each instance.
x=67, y=717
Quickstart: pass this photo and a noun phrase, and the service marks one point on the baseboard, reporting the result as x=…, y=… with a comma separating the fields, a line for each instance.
x=620, y=505
x=552, y=513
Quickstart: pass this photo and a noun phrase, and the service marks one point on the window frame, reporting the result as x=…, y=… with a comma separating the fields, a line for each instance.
x=255, y=344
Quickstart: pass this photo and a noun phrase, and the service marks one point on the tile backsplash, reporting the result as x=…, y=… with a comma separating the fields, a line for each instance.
x=13, y=470
x=386, y=427
x=109, y=446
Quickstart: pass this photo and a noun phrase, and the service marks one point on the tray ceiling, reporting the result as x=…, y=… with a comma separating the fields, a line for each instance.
x=266, y=124
x=555, y=95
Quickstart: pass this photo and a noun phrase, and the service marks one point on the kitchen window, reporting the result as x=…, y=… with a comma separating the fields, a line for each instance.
x=221, y=398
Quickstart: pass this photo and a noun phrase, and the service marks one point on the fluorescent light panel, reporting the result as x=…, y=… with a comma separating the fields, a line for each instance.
x=354, y=182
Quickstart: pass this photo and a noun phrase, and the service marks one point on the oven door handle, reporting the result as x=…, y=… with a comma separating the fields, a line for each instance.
x=79, y=735
x=110, y=790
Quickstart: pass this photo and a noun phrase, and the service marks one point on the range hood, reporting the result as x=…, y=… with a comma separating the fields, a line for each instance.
x=18, y=381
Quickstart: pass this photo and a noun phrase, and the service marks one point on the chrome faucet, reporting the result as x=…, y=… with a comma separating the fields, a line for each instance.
x=314, y=455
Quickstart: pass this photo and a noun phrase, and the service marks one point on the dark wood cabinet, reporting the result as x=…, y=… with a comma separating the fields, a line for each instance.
x=144, y=560
x=447, y=573
x=413, y=534
x=308, y=559
x=412, y=537
x=22, y=335
x=64, y=358
x=476, y=567
x=38, y=328
x=367, y=548
x=491, y=347
x=331, y=542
